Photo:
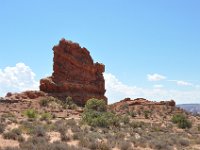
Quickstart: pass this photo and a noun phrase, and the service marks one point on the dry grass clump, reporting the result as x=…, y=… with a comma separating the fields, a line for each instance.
x=15, y=134
x=2, y=128
x=125, y=145
x=184, y=142
x=39, y=131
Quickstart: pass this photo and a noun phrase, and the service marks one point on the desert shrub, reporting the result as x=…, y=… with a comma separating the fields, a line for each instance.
x=124, y=145
x=78, y=135
x=181, y=121
x=71, y=122
x=61, y=146
x=197, y=140
x=160, y=145
x=198, y=127
x=44, y=102
x=184, y=142
x=21, y=138
x=2, y=119
x=27, y=127
x=103, y=146
x=141, y=142
x=177, y=118
x=132, y=113
x=46, y=116
x=136, y=124
x=14, y=134
x=184, y=124
x=94, y=118
x=69, y=103
x=31, y=113
x=84, y=142
x=93, y=145
x=89, y=140
x=125, y=119
x=96, y=105
x=8, y=115
x=75, y=136
x=124, y=106
x=64, y=137
x=58, y=146
x=10, y=135
x=146, y=114
x=39, y=131
x=111, y=141
x=95, y=114
x=2, y=128
x=35, y=143
x=119, y=136
x=60, y=126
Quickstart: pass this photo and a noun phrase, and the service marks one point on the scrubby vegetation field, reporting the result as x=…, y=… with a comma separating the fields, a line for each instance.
x=96, y=127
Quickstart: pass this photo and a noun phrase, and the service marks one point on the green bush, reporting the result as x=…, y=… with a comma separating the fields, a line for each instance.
x=69, y=103
x=96, y=105
x=95, y=114
x=184, y=124
x=98, y=119
x=125, y=119
x=46, y=116
x=146, y=114
x=31, y=113
x=181, y=121
x=44, y=102
x=177, y=118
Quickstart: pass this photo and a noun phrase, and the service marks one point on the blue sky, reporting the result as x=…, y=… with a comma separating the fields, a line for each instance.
x=151, y=49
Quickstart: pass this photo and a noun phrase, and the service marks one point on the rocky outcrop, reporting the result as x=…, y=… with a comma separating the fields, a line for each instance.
x=24, y=95
x=140, y=102
x=74, y=74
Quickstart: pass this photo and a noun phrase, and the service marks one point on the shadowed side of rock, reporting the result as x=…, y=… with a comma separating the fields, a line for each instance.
x=74, y=74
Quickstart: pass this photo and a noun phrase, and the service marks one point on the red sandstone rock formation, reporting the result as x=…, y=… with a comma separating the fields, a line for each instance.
x=74, y=74
x=141, y=101
x=24, y=95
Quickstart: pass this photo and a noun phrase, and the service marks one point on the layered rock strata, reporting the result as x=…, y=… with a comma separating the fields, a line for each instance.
x=74, y=74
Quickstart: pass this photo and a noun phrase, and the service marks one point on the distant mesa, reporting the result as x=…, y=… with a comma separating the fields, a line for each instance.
x=74, y=74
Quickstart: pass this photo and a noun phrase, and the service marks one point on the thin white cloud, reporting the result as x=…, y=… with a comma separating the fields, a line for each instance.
x=182, y=83
x=155, y=77
x=116, y=90
x=17, y=79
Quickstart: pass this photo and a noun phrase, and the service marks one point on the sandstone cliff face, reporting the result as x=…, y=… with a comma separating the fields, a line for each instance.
x=74, y=74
